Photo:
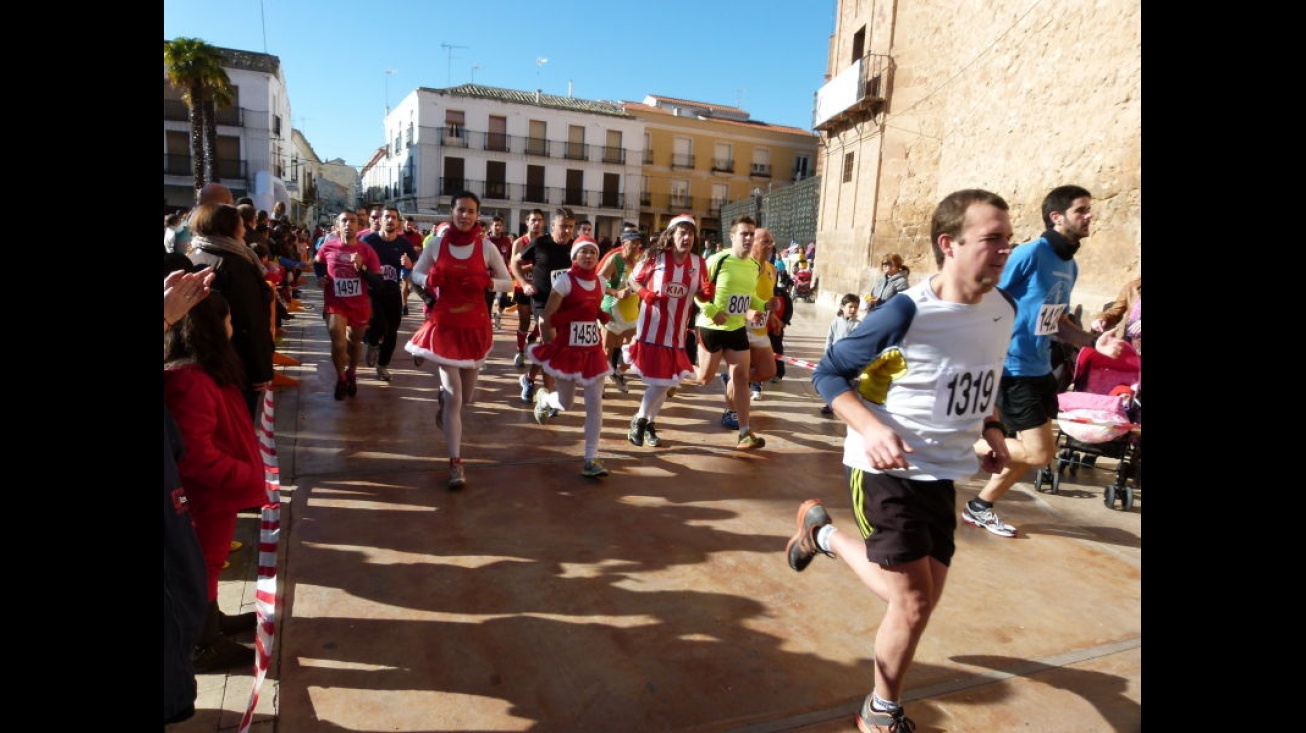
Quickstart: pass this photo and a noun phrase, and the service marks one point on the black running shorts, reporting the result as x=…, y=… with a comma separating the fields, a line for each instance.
x=902, y=520
x=1027, y=402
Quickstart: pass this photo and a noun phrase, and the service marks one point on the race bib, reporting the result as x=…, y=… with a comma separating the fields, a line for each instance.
x=347, y=286
x=1048, y=318
x=965, y=394
x=584, y=333
x=737, y=305
x=553, y=276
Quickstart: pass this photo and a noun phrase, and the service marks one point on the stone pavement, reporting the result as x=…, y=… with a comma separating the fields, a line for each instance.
x=656, y=599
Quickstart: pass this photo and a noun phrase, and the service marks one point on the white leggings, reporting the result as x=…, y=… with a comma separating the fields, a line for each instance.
x=564, y=397
x=458, y=386
x=654, y=396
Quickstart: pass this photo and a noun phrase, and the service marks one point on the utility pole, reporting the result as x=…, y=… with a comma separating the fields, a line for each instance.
x=448, y=50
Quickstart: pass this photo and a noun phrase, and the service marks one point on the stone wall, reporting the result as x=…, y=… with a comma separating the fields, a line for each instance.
x=996, y=95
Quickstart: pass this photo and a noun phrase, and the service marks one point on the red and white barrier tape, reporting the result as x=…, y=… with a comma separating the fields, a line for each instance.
x=795, y=362
x=265, y=588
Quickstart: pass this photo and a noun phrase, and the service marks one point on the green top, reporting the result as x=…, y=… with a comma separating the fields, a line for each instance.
x=735, y=292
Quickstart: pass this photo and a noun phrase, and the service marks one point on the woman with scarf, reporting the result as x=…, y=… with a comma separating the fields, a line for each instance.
x=219, y=242
x=571, y=350
x=456, y=267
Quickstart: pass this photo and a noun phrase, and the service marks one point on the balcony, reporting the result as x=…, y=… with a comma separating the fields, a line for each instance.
x=614, y=155
x=856, y=93
x=682, y=160
x=648, y=157
x=575, y=151
x=178, y=111
x=453, y=137
x=451, y=186
x=723, y=165
x=762, y=170
x=179, y=165
x=537, y=146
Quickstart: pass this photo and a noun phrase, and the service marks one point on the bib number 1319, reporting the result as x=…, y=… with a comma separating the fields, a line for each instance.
x=968, y=394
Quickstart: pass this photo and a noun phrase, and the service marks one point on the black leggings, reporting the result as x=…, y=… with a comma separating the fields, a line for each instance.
x=383, y=329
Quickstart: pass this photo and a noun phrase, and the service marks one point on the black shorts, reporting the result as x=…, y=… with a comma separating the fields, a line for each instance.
x=714, y=339
x=1027, y=402
x=902, y=520
x=521, y=299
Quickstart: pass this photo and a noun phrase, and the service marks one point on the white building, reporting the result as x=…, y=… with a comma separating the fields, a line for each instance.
x=517, y=151
x=255, y=150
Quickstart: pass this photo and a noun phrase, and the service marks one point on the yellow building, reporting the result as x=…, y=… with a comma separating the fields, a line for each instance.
x=698, y=157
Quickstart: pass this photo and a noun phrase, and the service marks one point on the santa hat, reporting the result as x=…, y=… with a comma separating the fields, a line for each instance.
x=582, y=242
x=683, y=219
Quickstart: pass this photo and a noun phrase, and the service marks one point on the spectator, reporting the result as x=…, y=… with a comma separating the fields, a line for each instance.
x=1123, y=317
x=844, y=323
x=219, y=242
x=893, y=280
x=222, y=468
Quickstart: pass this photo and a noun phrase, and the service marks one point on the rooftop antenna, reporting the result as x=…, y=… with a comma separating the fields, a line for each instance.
x=739, y=97
x=448, y=50
x=388, y=73
x=474, y=68
x=540, y=61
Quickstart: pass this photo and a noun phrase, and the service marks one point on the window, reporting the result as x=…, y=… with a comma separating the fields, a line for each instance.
x=574, y=194
x=847, y=167
x=682, y=154
x=537, y=142
x=859, y=44
x=720, y=195
x=455, y=127
x=454, y=179
x=408, y=138
x=496, y=179
x=724, y=158
x=802, y=167
x=576, y=143
x=498, y=137
x=761, y=162
x=612, y=191
x=648, y=151
x=679, y=193
x=612, y=150
x=535, y=184
x=645, y=195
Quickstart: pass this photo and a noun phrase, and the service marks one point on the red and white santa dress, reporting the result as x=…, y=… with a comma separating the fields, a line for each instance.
x=658, y=349
x=576, y=351
x=457, y=330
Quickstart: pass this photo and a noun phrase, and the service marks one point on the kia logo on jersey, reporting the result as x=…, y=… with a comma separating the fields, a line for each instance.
x=675, y=290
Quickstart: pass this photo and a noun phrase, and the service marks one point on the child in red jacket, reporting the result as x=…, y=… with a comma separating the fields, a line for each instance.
x=222, y=469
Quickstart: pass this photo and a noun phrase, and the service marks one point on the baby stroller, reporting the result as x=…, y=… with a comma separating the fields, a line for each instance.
x=803, y=285
x=1101, y=417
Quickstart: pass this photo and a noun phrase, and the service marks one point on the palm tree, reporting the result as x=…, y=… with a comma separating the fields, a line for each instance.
x=195, y=69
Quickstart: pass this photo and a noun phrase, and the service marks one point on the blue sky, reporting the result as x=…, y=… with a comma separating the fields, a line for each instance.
x=767, y=57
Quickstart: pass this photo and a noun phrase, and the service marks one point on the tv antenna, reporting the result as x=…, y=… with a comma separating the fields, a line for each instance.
x=474, y=68
x=388, y=73
x=540, y=61
x=448, y=50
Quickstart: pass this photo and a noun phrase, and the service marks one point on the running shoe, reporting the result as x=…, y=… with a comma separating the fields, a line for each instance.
x=418, y=360
x=542, y=408
x=756, y=389
x=987, y=519
x=498, y=320
x=870, y=720
x=405, y=310
x=527, y=389
x=457, y=479
x=342, y=387
x=671, y=393
x=748, y=441
x=637, y=427
x=620, y=381
x=776, y=379
x=372, y=353
x=725, y=379
x=827, y=410
x=519, y=360
x=351, y=377
x=651, y=438
x=730, y=420
x=383, y=373
x=593, y=469
x=802, y=546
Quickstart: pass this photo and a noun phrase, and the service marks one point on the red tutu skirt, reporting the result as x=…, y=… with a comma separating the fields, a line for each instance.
x=463, y=348
x=660, y=365
x=583, y=365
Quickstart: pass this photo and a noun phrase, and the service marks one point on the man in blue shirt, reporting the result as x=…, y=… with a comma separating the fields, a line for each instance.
x=1039, y=276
